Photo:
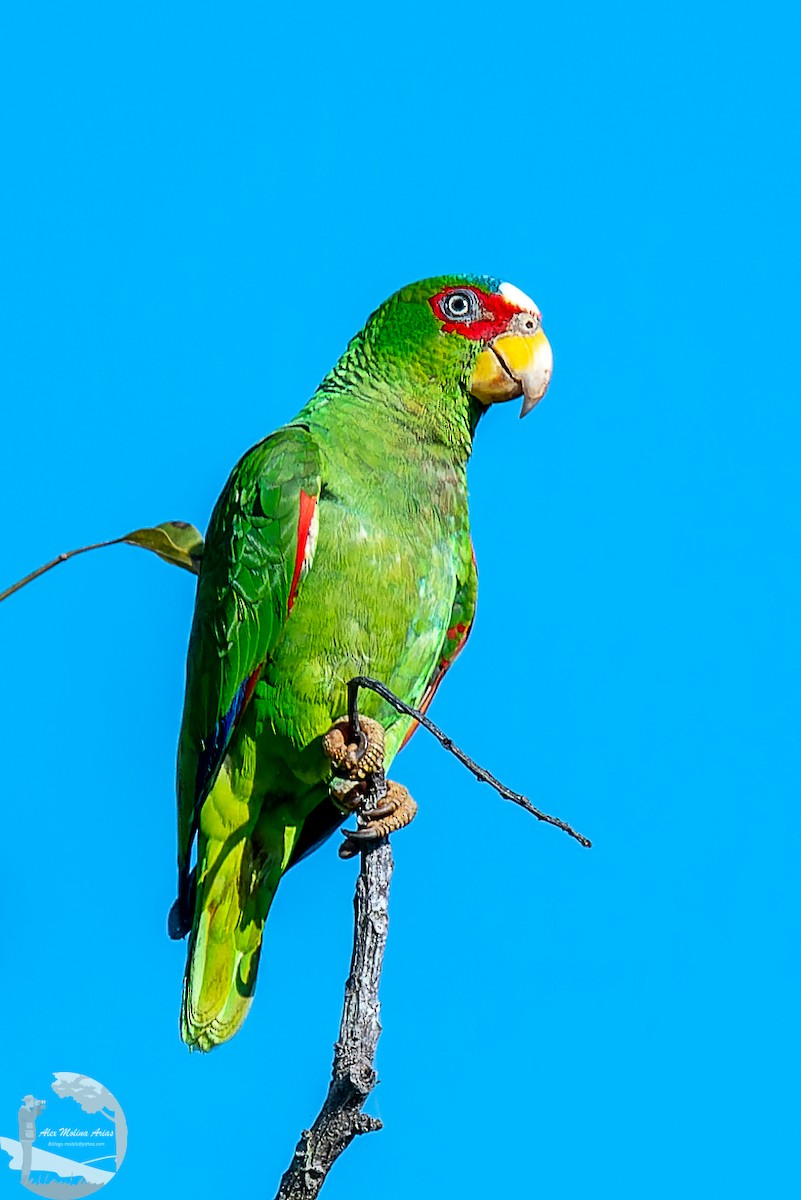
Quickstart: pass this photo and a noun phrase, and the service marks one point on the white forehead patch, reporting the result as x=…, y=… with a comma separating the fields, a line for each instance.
x=518, y=298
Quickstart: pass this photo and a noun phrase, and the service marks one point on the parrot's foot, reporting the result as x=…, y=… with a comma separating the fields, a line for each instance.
x=397, y=809
x=348, y=796
x=355, y=760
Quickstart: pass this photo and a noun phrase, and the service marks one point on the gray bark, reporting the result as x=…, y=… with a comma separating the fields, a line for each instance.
x=353, y=1076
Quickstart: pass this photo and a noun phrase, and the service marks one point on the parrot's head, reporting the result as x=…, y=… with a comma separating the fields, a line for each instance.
x=473, y=335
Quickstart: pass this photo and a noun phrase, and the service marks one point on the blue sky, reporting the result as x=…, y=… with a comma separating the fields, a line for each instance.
x=201, y=205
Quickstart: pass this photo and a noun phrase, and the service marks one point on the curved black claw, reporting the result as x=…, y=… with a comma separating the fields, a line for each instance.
x=362, y=742
x=363, y=835
x=356, y=839
x=376, y=814
x=396, y=811
x=348, y=849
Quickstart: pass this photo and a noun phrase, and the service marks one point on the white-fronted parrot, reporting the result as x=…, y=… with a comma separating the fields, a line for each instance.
x=340, y=546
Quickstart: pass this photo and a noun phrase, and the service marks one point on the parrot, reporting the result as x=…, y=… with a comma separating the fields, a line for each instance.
x=339, y=547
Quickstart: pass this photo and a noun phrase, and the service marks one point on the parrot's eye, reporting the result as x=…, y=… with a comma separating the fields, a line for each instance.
x=461, y=305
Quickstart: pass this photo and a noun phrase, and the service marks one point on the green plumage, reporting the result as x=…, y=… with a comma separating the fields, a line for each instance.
x=386, y=577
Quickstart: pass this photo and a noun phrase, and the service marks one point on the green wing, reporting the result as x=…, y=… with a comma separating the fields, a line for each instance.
x=257, y=549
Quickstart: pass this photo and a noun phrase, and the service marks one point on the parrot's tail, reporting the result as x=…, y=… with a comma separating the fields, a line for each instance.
x=235, y=888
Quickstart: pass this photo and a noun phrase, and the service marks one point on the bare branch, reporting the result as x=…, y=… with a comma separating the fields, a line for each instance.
x=341, y=1118
x=55, y=562
x=353, y=1078
x=363, y=681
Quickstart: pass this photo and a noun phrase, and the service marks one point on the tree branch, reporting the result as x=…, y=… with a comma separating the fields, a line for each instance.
x=481, y=773
x=353, y=1076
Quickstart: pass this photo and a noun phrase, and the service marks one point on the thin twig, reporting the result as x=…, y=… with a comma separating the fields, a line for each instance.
x=175, y=542
x=55, y=562
x=364, y=681
x=341, y=1119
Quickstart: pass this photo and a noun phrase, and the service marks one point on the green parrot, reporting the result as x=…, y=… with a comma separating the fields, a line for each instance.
x=340, y=546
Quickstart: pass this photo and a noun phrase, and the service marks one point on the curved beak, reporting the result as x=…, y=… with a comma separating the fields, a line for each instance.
x=514, y=364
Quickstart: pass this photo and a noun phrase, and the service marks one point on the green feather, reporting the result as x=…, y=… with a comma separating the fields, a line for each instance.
x=383, y=444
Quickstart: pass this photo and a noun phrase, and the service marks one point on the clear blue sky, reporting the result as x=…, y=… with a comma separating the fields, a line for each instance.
x=201, y=204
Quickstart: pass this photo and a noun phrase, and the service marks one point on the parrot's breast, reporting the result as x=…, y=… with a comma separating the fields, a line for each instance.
x=376, y=601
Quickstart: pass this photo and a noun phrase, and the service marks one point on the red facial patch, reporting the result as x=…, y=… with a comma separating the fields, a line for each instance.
x=496, y=315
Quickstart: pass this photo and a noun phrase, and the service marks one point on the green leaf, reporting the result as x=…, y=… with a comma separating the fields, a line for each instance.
x=176, y=542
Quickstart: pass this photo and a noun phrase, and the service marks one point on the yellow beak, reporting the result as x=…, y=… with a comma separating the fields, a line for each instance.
x=514, y=364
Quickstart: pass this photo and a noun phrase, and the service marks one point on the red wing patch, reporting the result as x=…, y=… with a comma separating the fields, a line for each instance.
x=308, y=504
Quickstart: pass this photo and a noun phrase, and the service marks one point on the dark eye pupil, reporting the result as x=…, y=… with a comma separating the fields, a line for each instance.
x=458, y=305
